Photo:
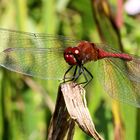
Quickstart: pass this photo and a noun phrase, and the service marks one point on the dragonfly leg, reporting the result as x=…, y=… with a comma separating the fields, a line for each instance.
x=66, y=73
x=83, y=70
x=91, y=76
x=79, y=73
x=74, y=74
x=74, y=77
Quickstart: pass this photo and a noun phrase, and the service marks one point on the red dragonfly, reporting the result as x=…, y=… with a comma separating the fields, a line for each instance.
x=54, y=57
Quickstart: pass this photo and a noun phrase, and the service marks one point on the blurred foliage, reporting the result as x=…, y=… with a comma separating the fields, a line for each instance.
x=24, y=113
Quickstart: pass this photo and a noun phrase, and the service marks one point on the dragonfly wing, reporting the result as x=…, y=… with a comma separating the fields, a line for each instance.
x=39, y=55
x=107, y=48
x=133, y=69
x=45, y=63
x=12, y=39
x=119, y=81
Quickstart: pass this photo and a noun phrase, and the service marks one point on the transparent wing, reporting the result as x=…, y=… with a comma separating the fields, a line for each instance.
x=14, y=39
x=121, y=79
x=38, y=55
x=133, y=67
x=43, y=63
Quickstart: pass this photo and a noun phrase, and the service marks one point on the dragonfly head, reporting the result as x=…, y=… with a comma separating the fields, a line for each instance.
x=71, y=55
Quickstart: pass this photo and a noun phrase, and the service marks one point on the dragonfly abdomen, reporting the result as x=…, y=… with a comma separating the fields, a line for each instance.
x=104, y=54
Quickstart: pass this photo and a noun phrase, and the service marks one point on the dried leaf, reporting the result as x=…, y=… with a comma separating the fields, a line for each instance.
x=61, y=125
x=74, y=96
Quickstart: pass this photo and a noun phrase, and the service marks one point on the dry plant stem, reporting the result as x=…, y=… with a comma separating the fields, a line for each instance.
x=61, y=125
x=74, y=96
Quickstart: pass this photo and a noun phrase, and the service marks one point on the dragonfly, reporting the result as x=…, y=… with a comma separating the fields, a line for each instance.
x=63, y=58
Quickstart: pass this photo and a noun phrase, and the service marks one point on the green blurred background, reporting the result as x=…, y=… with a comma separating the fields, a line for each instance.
x=26, y=105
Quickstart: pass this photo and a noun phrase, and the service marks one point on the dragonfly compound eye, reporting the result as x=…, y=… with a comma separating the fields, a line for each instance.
x=75, y=51
x=69, y=55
